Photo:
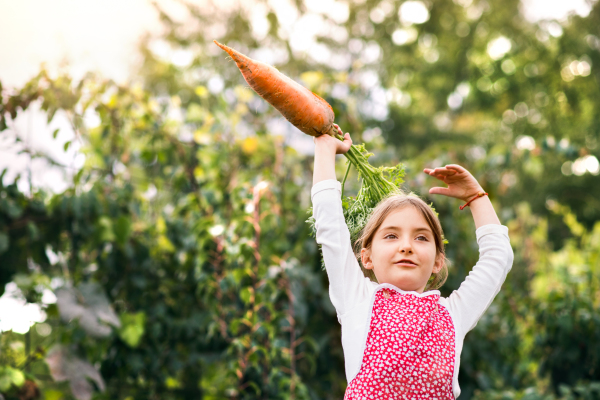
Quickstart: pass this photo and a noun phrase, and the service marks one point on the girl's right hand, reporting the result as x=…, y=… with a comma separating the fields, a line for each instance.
x=332, y=144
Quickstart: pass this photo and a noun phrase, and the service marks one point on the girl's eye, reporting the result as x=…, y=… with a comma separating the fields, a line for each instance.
x=420, y=237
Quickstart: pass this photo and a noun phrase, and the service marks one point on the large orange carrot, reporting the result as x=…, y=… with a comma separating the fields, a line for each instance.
x=304, y=109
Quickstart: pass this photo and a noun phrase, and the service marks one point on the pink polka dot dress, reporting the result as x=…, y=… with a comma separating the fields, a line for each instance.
x=409, y=353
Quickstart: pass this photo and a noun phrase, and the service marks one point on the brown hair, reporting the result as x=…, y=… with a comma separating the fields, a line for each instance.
x=387, y=206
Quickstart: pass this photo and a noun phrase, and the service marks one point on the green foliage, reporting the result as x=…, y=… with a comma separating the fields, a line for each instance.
x=583, y=390
x=132, y=328
x=374, y=188
x=10, y=377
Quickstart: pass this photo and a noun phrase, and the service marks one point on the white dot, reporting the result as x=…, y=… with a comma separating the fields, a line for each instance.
x=584, y=68
x=182, y=58
x=404, y=36
x=216, y=230
x=579, y=167
x=498, y=47
x=592, y=165
x=413, y=12
x=455, y=100
x=216, y=84
x=554, y=29
x=463, y=89
x=525, y=143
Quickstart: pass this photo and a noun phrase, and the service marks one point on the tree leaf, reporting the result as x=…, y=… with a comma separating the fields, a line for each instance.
x=9, y=377
x=132, y=328
x=65, y=366
x=122, y=229
x=89, y=305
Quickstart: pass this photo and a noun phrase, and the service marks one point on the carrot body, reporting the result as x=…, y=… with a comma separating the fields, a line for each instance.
x=304, y=109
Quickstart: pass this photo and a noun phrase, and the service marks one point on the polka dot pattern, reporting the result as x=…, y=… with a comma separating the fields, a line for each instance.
x=409, y=352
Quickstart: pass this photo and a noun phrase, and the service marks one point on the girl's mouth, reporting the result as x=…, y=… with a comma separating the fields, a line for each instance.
x=405, y=263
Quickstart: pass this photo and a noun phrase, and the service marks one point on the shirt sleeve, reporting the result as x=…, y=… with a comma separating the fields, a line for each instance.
x=468, y=303
x=347, y=284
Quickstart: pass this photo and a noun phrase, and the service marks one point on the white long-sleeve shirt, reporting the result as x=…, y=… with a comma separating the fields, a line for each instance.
x=352, y=293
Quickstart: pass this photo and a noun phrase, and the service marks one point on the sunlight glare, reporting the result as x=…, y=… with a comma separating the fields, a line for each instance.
x=498, y=47
x=15, y=313
x=413, y=12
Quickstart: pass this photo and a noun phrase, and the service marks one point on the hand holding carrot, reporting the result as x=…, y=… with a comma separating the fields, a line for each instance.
x=461, y=184
x=332, y=144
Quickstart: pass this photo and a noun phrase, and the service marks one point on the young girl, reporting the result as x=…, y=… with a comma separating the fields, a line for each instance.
x=400, y=341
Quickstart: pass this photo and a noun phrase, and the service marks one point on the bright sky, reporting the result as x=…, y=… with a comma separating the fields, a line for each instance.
x=101, y=36
x=89, y=34
x=535, y=10
x=86, y=35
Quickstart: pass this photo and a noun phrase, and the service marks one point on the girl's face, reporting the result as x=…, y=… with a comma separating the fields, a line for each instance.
x=403, y=251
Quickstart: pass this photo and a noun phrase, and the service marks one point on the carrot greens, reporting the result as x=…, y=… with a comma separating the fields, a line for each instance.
x=377, y=184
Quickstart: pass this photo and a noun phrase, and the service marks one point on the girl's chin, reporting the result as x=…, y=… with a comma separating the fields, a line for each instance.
x=408, y=285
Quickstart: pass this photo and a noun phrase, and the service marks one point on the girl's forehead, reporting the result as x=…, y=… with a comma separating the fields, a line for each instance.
x=405, y=216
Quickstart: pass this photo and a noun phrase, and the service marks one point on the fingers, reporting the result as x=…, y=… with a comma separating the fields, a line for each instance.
x=347, y=137
x=440, y=190
x=345, y=145
x=344, y=135
x=439, y=172
x=339, y=129
x=449, y=167
x=456, y=167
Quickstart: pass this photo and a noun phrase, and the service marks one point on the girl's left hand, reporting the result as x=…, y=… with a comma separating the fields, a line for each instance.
x=461, y=184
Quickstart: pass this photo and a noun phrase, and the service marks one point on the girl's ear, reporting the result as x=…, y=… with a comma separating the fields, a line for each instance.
x=365, y=257
x=439, y=263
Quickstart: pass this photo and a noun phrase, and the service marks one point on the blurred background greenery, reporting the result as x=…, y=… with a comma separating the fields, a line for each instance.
x=178, y=265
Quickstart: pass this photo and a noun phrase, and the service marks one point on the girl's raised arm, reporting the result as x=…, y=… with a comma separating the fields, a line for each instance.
x=347, y=284
x=468, y=303
x=326, y=147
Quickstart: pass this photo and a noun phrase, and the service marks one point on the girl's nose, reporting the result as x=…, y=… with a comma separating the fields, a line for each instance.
x=406, y=248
